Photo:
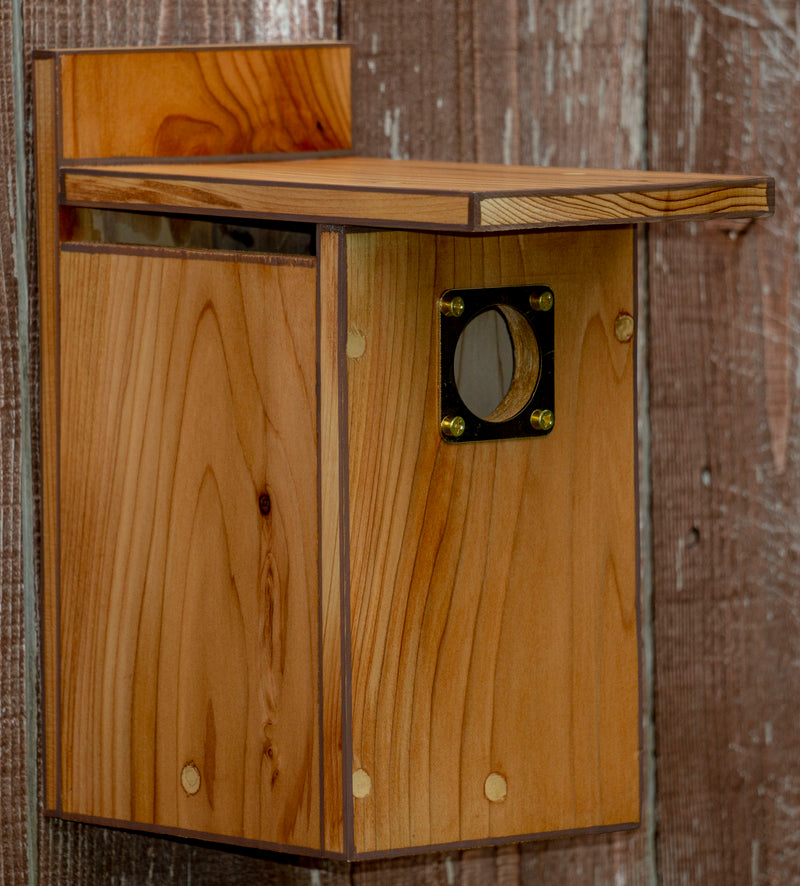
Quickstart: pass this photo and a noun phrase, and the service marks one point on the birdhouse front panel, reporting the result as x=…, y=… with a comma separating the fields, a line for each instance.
x=493, y=600
x=188, y=609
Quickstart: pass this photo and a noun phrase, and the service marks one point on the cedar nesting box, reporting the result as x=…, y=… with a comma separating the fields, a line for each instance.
x=309, y=583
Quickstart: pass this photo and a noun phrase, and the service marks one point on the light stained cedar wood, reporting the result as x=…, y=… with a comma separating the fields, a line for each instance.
x=331, y=501
x=46, y=166
x=417, y=175
x=189, y=612
x=184, y=103
x=317, y=204
x=422, y=193
x=633, y=206
x=493, y=586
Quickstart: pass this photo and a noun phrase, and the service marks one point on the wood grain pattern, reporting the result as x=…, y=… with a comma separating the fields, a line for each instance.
x=185, y=399
x=331, y=257
x=436, y=195
x=201, y=102
x=630, y=206
x=456, y=554
x=321, y=204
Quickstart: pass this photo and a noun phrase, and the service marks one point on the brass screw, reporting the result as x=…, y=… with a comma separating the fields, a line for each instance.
x=452, y=307
x=623, y=327
x=453, y=426
x=541, y=301
x=542, y=419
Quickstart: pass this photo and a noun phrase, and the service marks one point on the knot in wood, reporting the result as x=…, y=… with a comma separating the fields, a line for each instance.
x=264, y=503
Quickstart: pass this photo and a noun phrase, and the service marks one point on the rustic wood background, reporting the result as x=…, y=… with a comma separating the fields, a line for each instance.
x=667, y=84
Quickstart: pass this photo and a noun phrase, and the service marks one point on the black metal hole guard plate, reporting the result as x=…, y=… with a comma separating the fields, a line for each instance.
x=450, y=328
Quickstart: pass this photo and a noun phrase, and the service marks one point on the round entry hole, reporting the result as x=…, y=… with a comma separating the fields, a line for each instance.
x=496, y=363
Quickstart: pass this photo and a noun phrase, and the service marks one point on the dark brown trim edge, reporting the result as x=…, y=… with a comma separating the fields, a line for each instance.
x=198, y=254
x=59, y=127
x=618, y=221
x=352, y=856
x=771, y=195
x=493, y=841
x=57, y=196
x=310, y=154
x=348, y=812
x=320, y=612
x=640, y=650
x=195, y=47
x=162, y=830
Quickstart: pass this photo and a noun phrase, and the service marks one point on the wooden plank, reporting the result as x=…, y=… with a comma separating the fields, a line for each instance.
x=435, y=195
x=201, y=102
x=474, y=564
x=656, y=205
x=320, y=204
x=332, y=425
x=188, y=600
x=725, y=454
x=429, y=177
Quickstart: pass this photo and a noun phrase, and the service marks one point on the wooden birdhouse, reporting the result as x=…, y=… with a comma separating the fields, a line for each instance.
x=340, y=516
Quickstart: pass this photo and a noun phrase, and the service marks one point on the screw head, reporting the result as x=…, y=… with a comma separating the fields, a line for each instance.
x=542, y=301
x=495, y=787
x=190, y=779
x=623, y=327
x=542, y=419
x=453, y=426
x=362, y=784
x=452, y=307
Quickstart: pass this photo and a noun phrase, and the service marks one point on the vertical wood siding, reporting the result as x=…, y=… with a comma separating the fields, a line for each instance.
x=666, y=83
x=13, y=796
x=724, y=93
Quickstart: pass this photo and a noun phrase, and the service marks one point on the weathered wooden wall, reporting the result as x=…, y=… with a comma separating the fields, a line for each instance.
x=13, y=809
x=724, y=91
x=665, y=83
